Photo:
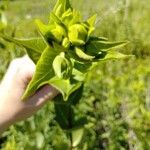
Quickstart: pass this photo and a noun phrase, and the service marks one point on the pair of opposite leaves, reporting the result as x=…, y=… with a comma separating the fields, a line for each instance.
x=66, y=50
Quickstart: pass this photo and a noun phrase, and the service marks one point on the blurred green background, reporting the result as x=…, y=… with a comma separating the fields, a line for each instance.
x=116, y=96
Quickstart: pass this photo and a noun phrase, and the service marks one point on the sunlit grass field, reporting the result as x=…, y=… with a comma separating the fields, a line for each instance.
x=117, y=93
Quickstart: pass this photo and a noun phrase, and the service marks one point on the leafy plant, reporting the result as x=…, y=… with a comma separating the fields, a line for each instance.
x=64, y=53
x=66, y=46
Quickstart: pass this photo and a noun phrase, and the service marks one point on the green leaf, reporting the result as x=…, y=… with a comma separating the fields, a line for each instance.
x=67, y=17
x=75, y=97
x=83, y=55
x=33, y=46
x=52, y=32
x=115, y=55
x=61, y=6
x=105, y=45
x=64, y=113
x=45, y=30
x=78, y=75
x=36, y=44
x=82, y=67
x=77, y=34
x=95, y=46
x=76, y=17
x=93, y=38
x=44, y=71
x=91, y=21
x=57, y=20
x=66, y=87
x=74, y=56
x=42, y=27
x=58, y=11
x=90, y=25
x=39, y=140
x=62, y=66
x=66, y=43
x=77, y=136
x=64, y=110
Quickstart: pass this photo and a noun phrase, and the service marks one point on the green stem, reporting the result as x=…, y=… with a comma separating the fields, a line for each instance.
x=70, y=126
x=71, y=143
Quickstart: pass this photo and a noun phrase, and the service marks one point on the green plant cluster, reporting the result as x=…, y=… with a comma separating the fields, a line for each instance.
x=66, y=45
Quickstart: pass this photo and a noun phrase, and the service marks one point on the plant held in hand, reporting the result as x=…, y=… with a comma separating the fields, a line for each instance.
x=66, y=50
x=64, y=54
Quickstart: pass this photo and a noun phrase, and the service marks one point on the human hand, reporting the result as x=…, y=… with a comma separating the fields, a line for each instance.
x=12, y=88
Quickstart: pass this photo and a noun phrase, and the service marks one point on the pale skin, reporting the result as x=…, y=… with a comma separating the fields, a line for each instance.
x=13, y=85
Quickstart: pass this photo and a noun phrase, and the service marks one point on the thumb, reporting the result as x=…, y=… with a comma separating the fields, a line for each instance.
x=42, y=96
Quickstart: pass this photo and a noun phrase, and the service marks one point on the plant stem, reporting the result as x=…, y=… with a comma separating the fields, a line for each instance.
x=71, y=143
x=70, y=126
